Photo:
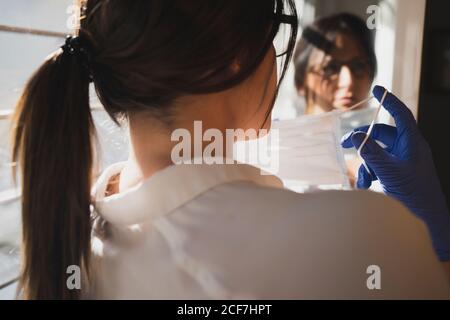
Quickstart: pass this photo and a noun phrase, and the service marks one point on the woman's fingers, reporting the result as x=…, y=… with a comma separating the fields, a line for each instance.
x=364, y=178
x=404, y=119
x=372, y=153
x=381, y=132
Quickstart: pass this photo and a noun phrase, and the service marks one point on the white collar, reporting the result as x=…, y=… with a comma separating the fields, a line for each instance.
x=168, y=189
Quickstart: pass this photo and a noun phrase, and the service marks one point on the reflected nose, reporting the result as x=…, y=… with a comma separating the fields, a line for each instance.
x=346, y=77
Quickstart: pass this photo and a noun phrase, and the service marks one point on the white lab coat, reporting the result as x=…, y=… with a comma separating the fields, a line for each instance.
x=228, y=232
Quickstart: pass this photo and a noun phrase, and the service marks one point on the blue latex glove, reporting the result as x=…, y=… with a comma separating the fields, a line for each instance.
x=405, y=169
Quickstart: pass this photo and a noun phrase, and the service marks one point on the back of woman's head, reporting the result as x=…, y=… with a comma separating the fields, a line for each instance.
x=141, y=56
x=160, y=50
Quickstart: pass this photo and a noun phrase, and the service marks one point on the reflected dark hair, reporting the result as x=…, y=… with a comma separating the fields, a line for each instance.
x=321, y=35
x=143, y=54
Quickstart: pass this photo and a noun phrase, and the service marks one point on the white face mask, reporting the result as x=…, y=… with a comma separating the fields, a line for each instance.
x=305, y=152
x=308, y=152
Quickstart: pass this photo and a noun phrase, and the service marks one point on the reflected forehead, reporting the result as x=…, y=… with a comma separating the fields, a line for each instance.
x=346, y=49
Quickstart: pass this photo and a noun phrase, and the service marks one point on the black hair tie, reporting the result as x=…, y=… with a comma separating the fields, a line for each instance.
x=77, y=46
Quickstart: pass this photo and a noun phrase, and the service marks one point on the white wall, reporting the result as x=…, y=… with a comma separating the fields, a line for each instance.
x=409, y=29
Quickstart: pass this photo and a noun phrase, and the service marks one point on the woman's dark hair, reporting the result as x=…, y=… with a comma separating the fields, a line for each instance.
x=321, y=35
x=142, y=55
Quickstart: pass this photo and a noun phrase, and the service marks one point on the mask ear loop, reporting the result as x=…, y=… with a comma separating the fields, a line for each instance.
x=359, y=104
x=369, y=132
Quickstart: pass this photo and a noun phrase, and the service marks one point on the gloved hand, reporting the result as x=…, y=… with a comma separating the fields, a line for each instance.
x=405, y=169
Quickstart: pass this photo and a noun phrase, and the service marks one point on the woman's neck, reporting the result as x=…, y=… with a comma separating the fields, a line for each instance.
x=149, y=153
x=151, y=142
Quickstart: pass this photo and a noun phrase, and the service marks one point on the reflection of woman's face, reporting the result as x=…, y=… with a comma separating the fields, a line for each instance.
x=339, y=79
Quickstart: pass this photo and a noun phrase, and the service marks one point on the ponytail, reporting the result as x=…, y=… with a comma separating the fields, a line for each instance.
x=52, y=144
